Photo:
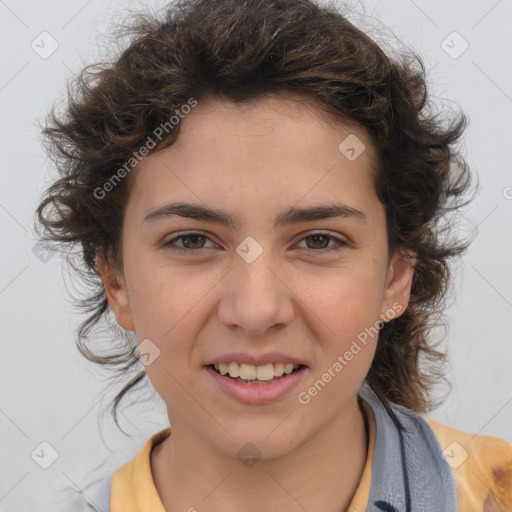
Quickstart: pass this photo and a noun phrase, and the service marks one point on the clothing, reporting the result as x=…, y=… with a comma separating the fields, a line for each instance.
x=404, y=471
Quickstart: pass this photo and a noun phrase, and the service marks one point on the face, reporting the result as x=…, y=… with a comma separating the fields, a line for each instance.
x=306, y=288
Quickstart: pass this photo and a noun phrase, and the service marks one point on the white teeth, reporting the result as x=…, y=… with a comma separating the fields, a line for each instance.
x=251, y=372
x=265, y=372
x=247, y=371
x=278, y=369
x=234, y=370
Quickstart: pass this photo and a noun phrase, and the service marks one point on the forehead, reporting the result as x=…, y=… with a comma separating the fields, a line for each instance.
x=276, y=119
x=274, y=150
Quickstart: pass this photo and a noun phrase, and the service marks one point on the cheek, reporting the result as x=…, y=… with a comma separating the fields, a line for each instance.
x=159, y=294
x=161, y=306
x=348, y=308
x=164, y=306
x=168, y=307
x=348, y=299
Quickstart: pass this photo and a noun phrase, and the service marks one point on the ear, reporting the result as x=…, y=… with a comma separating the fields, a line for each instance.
x=398, y=285
x=117, y=294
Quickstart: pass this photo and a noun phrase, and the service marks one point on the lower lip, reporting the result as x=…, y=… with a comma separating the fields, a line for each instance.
x=257, y=394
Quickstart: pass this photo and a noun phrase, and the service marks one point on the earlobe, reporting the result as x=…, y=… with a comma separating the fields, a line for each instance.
x=398, y=285
x=117, y=294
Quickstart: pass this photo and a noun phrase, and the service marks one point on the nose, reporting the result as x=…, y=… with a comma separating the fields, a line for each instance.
x=256, y=297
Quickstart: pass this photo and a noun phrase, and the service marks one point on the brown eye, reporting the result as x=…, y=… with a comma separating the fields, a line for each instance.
x=319, y=242
x=191, y=242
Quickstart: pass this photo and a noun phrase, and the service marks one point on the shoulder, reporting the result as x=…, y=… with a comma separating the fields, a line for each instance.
x=123, y=488
x=133, y=487
x=481, y=466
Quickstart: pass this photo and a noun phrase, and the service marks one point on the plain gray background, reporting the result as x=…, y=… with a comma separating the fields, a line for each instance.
x=49, y=393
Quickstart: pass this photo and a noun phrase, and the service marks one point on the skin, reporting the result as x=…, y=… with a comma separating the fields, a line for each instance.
x=254, y=160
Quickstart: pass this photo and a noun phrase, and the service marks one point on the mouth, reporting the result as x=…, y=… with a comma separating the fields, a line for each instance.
x=256, y=391
x=279, y=373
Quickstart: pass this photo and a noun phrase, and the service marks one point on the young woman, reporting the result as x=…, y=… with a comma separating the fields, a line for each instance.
x=257, y=192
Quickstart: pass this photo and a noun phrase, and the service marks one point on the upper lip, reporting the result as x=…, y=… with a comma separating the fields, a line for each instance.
x=254, y=359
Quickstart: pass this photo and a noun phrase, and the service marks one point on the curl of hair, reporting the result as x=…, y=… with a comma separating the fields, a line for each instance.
x=242, y=50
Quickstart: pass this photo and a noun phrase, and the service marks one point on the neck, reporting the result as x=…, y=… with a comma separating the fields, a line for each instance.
x=322, y=473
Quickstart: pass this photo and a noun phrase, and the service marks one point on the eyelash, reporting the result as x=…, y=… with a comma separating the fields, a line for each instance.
x=340, y=243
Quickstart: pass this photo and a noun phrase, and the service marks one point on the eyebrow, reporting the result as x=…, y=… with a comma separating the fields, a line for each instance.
x=291, y=215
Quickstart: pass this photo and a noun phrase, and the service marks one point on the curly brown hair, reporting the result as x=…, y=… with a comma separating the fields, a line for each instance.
x=241, y=50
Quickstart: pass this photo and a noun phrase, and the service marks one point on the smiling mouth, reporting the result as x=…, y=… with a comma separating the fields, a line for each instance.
x=256, y=381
